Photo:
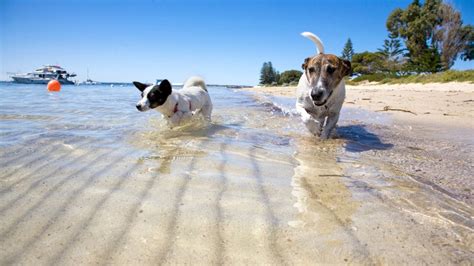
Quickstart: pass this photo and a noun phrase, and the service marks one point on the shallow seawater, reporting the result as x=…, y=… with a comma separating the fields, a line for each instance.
x=85, y=178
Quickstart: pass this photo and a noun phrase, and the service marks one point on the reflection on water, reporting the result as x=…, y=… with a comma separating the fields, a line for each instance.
x=325, y=204
x=86, y=176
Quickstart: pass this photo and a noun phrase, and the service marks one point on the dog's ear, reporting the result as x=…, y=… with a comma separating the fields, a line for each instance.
x=165, y=86
x=305, y=64
x=140, y=86
x=346, y=68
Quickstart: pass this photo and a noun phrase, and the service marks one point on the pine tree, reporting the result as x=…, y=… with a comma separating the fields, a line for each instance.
x=392, y=54
x=348, y=51
x=268, y=74
x=263, y=74
x=392, y=48
x=271, y=73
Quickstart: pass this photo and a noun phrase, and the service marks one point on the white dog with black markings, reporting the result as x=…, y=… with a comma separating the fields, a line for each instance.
x=321, y=90
x=177, y=106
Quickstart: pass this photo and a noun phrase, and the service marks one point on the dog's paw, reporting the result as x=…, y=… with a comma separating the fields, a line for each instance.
x=323, y=137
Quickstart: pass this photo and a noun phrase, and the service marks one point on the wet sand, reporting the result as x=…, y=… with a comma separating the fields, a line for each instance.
x=116, y=187
x=431, y=130
x=366, y=212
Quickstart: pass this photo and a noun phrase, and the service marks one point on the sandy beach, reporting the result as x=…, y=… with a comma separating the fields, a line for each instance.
x=438, y=103
x=432, y=129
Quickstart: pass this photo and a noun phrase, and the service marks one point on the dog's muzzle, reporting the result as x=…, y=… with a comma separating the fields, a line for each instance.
x=139, y=107
x=317, y=96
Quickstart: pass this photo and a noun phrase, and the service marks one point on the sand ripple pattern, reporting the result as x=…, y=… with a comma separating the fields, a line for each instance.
x=111, y=186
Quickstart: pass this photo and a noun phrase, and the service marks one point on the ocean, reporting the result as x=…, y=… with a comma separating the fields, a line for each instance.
x=87, y=179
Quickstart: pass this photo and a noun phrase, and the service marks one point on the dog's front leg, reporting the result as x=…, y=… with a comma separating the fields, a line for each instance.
x=175, y=119
x=195, y=112
x=330, y=124
x=179, y=118
x=313, y=125
x=186, y=116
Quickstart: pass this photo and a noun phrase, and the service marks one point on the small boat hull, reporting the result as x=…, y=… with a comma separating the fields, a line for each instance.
x=29, y=80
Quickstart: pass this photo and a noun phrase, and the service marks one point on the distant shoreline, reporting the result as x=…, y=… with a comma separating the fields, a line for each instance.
x=130, y=83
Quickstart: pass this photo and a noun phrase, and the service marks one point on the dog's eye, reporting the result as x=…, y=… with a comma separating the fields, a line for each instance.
x=311, y=69
x=330, y=69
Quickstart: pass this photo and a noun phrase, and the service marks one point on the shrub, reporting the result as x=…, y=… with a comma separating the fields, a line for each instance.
x=290, y=76
x=442, y=77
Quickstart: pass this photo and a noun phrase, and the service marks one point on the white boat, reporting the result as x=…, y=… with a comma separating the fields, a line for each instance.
x=44, y=75
x=89, y=81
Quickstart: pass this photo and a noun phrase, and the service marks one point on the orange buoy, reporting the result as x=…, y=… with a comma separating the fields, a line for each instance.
x=54, y=85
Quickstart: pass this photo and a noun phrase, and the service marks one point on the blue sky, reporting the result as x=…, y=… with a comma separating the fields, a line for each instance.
x=223, y=41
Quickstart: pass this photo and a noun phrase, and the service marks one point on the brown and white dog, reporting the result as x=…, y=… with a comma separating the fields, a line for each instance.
x=321, y=89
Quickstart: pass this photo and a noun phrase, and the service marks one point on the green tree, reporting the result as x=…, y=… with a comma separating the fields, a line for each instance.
x=416, y=26
x=263, y=73
x=392, y=48
x=392, y=52
x=428, y=60
x=368, y=63
x=277, y=77
x=348, y=51
x=290, y=76
x=468, y=51
x=451, y=37
x=272, y=75
x=268, y=74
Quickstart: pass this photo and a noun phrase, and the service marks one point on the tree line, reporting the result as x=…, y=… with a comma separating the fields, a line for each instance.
x=270, y=76
x=423, y=38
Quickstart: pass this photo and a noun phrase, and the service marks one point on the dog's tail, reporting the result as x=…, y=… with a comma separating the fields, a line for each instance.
x=316, y=40
x=195, y=82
